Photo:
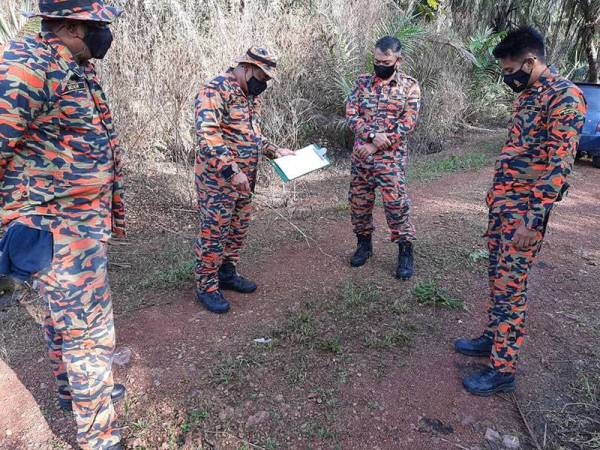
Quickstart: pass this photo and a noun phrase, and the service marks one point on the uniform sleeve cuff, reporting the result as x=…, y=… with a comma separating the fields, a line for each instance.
x=534, y=221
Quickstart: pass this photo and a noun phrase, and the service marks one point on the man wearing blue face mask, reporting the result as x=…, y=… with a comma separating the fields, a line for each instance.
x=61, y=198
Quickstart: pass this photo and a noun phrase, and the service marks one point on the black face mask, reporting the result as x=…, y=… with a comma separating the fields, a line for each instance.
x=256, y=86
x=518, y=80
x=98, y=40
x=384, y=72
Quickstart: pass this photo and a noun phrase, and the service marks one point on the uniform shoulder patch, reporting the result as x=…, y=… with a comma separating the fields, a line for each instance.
x=364, y=78
x=26, y=51
x=404, y=76
x=216, y=82
x=568, y=111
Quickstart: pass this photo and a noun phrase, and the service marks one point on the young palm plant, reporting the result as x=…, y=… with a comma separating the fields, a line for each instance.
x=12, y=22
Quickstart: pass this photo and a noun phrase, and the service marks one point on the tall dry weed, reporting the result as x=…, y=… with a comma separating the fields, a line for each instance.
x=164, y=50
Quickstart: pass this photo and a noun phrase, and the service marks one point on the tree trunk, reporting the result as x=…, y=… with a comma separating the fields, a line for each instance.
x=590, y=10
x=591, y=53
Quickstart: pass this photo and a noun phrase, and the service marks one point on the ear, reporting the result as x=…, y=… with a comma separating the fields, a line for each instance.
x=75, y=29
x=530, y=62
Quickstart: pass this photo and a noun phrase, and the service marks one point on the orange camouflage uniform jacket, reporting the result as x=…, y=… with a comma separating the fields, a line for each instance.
x=228, y=129
x=60, y=160
x=544, y=131
x=375, y=106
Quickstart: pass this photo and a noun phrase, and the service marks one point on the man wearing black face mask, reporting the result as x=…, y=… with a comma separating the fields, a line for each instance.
x=230, y=146
x=530, y=177
x=382, y=110
x=61, y=198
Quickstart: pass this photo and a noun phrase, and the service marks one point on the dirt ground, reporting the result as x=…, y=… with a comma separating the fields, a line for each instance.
x=355, y=359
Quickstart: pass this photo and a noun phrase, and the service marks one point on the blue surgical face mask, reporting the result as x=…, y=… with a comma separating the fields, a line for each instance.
x=98, y=40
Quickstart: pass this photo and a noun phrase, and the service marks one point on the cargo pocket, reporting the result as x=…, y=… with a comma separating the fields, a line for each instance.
x=76, y=106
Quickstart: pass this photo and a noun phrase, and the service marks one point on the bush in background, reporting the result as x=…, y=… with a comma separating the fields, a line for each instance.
x=166, y=49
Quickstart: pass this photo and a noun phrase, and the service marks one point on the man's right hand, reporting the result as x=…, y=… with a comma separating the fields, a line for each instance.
x=241, y=183
x=381, y=141
x=365, y=151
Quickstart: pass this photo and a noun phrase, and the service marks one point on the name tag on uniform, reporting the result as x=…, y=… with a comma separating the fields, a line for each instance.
x=74, y=85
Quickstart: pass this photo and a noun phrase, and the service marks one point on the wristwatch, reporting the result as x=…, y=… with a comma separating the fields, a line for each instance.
x=371, y=137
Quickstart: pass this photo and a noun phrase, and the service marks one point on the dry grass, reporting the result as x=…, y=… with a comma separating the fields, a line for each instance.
x=166, y=50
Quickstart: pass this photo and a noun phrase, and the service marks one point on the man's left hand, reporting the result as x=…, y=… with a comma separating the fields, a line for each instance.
x=284, y=152
x=524, y=238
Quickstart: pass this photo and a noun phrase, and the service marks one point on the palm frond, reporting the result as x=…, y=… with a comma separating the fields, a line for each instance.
x=12, y=23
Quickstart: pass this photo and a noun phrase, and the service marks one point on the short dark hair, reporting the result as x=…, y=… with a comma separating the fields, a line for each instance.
x=388, y=43
x=520, y=41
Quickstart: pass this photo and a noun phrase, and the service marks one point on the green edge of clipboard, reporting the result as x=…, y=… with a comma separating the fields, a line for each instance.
x=286, y=179
x=279, y=171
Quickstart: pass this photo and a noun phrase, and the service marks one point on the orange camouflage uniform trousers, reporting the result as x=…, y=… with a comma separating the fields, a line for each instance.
x=60, y=171
x=228, y=132
x=392, y=107
x=530, y=176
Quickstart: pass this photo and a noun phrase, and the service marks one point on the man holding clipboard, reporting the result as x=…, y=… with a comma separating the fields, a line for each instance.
x=230, y=145
x=382, y=110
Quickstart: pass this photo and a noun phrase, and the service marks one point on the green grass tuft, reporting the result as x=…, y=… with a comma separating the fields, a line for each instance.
x=396, y=338
x=479, y=255
x=354, y=295
x=429, y=293
x=195, y=417
x=427, y=169
x=180, y=272
x=330, y=345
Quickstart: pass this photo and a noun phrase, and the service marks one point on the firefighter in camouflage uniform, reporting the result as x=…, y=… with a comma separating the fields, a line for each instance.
x=382, y=110
x=230, y=146
x=61, y=198
x=530, y=177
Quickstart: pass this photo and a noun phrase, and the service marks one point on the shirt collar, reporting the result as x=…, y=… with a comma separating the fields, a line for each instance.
x=234, y=83
x=61, y=51
x=392, y=82
x=545, y=79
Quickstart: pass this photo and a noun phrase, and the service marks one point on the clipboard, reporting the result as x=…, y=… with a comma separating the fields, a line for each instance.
x=306, y=160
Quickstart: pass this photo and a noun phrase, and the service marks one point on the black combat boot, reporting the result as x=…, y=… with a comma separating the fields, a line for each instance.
x=364, y=250
x=229, y=279
x=213, y=301
x=489, y=381
x=117, y=394
x=479, y=347
x=406, y=261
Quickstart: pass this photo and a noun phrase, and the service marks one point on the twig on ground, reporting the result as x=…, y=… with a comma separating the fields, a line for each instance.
x=526, y=422
x=475, y=128
x=306, y=237
x=119, y=265
x=225, y=433
x=195, y=211
x=587, y=405
x=455, y=444
x=119, y=242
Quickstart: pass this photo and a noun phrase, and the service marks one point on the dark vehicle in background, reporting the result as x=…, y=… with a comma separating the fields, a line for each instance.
x=589, y=145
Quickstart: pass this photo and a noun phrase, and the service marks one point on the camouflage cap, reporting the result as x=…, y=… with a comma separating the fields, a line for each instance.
x=88, y=10
x=261, y=58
